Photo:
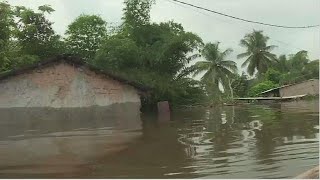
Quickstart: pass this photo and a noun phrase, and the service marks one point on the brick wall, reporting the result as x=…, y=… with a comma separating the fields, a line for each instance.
x=307, y=87
x=62, y=85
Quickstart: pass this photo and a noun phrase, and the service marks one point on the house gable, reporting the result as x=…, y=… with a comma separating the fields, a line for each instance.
x=61, y=83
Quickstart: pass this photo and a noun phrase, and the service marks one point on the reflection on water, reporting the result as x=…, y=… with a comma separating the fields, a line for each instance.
x=251, y=141
x=63, y=142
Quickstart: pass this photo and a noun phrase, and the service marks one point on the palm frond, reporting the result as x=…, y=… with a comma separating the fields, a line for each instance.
x=271, y=57
x=270, y=48
x=210, y=51
x=185, y=72
x=242, y=55
x=247, y=61
x=208, y=77
x=200, y=67
x=258, y=53
x=226, y=53
x=232, y=66
x=251, y=68
x=244, y=43
x=193, y=57
x=224, y=72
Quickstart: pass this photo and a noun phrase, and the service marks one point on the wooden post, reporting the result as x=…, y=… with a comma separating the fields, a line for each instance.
x=163, y=111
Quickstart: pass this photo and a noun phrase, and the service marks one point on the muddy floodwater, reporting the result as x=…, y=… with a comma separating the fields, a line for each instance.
x=247, y=141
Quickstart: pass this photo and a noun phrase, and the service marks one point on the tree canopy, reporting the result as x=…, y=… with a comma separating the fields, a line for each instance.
x=217, y=69
x=34, y=32
x=258, y=53
x=85, y=35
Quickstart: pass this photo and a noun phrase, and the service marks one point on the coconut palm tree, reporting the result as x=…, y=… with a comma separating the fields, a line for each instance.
x=259, y=56
x=299, y=60
x=217, y=69
x=282, y=65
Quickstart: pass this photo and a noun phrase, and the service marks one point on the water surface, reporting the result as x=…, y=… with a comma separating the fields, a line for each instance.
x=248, y=141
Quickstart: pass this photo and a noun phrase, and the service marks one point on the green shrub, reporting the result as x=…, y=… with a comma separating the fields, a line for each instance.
x=263, y=86
x=273, y=75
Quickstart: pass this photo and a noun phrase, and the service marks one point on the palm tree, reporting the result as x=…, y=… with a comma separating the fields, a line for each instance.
x=258, y=53
x=282, y=65
x=299, y=60
x=217, y=69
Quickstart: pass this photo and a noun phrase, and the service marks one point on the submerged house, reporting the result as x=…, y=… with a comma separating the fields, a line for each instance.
x=65, y=113
x=65, y=81
x=309, y=87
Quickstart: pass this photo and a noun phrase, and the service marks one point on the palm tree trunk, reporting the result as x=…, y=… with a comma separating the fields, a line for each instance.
x=231, y=90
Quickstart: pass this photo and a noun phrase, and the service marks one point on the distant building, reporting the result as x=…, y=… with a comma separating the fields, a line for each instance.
x=309, y=87
x=66, y=81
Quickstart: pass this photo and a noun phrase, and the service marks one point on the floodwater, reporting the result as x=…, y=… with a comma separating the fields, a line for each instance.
x=247, y=141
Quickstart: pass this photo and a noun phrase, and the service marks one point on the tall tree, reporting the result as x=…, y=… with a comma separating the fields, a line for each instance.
x=11, y=55
x=282, y=64
x=169, y=47
x=157, y=56
x=6, y=30
x=152, y=54
x=137, y=13
x=85, y=34
x=240, y=84
x=311, y=71
x=258, y=53
x=218, y=70
x=299, y=68
x=299, y=60
x=136, y=20
x=118, y=53
x=6, y=24
x=35, y=33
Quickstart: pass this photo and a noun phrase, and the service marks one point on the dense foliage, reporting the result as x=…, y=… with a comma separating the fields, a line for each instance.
x=157, y=55
x=26, y=36
x=34, y=32
x=240, y=85
x=297, y=68
x=260, y=87
x=84, y=36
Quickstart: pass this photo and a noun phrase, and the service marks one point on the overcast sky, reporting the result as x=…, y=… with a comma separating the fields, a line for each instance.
x=210, y=27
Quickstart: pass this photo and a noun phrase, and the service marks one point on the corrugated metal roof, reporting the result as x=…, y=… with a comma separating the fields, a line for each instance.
x=272, y=98
x=275, y=88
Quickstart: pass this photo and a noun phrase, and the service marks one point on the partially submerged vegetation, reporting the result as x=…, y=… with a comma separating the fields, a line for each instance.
x=154, y=54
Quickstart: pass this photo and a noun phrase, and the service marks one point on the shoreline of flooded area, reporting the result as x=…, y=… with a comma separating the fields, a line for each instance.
x=279, y=140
